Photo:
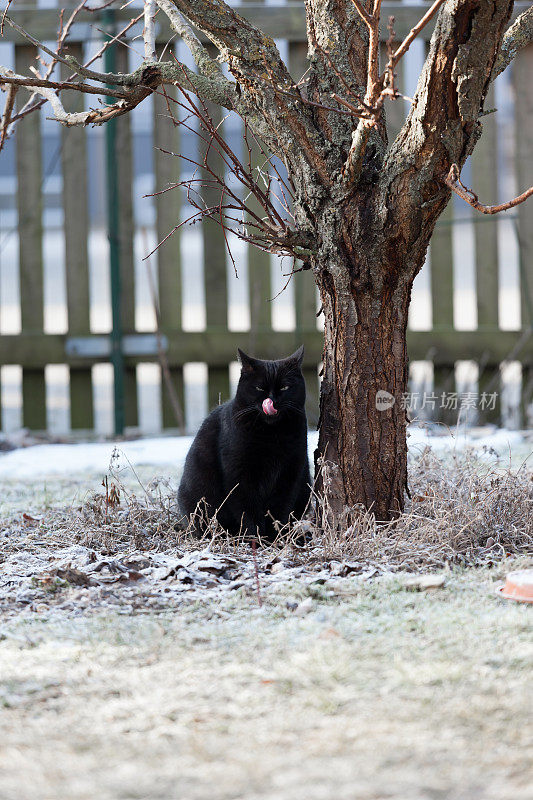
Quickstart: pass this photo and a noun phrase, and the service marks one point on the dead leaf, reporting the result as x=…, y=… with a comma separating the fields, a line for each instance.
x=74, y=576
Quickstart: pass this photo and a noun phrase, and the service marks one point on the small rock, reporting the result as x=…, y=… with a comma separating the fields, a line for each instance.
x=279, y=567
x=423, y=583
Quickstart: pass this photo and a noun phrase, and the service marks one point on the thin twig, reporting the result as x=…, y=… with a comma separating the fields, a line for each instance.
x=8, y=110
x=453, y=181
x=22, y=80
x=271, y=232
x=361, y=10
x=413, y=33
x=2, y=23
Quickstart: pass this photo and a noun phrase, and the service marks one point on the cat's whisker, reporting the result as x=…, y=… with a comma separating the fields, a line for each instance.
x=294, y=407
x=244, y=411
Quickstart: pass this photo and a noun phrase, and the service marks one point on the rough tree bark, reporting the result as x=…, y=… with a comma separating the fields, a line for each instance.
x=363, y=209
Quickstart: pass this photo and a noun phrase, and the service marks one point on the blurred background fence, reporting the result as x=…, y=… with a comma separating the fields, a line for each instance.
x=75, y=224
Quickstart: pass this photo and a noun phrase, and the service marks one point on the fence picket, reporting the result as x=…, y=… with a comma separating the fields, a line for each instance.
x=168, y=209
x=485, y=184
x=522, y=72
x=30, y=207
x=215, y=278
x=441, y=250
x=76, y=232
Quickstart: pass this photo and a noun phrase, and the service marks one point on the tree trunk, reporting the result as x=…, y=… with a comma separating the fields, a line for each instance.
x=362, y=445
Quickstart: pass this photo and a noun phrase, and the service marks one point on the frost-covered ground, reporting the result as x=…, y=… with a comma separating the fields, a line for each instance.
x=138, y=668
x=375, y=692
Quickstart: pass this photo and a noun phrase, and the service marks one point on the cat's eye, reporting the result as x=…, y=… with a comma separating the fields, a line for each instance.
x=284, y=388
x=259, y=388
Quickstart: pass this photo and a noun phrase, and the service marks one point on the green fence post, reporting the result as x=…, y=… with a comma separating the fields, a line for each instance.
x=117, y=357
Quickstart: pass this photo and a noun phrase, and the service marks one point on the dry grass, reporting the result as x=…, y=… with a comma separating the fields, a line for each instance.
x=462, y=511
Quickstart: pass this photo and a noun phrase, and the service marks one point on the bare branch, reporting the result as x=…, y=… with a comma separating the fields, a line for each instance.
x=64, y=29
x=10, y=78
x=378, y=87
x=94, y=116
x=207, y=65
x=139, y=84
x=2, y=23
x=6, y=117
x=62, y=116
x=413, y=33
x=373, y=95
x=34, y=103
x=519, y=35
x=363, y=13
x=373, y=53
x=150, y=10
x=454, y=182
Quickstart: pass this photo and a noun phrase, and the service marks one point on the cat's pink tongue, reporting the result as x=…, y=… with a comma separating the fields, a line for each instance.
x=268, y=407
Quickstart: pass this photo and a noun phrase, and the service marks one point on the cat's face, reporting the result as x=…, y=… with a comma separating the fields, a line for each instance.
x=271, y=390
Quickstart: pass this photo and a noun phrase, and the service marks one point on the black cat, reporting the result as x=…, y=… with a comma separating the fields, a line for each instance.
x=249, y=459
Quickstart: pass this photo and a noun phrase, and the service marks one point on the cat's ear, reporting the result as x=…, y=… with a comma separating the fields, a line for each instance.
x=297, y=357
x=248, y=363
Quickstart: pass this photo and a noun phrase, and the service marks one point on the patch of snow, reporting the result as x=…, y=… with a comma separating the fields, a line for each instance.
x=57, y=459
x=65, y=459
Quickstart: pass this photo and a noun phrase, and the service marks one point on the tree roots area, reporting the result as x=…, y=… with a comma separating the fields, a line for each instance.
x=362, y=662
